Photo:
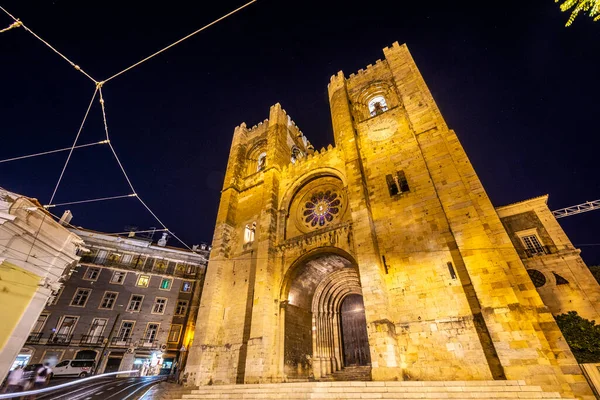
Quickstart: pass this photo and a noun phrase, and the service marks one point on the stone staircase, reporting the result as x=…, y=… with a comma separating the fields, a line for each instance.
x=358, y=373
x=374, y=390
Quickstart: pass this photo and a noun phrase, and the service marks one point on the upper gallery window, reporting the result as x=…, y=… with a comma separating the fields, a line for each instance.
x=249, y=232
x=377, y=105
x=262, y=162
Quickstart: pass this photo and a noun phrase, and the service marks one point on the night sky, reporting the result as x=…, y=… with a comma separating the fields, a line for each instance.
x=519, y=88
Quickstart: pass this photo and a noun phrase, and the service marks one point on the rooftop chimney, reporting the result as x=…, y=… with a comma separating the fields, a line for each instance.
x=66, y=218
x=162, y=242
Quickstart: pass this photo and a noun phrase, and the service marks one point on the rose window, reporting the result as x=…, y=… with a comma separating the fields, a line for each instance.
x=321, y=208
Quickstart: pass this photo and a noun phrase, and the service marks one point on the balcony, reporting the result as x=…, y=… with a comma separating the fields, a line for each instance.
x=34, y=338
x=59, y=340
x=148, y=343
x=121, y=342
x=89, y=340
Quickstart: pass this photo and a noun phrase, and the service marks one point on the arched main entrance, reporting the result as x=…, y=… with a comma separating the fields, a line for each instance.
x=325, y=325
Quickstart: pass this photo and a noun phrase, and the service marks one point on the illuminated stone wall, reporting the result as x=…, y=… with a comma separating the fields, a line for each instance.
x=445, y=292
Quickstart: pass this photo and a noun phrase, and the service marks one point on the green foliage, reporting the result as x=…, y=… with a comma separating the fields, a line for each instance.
x=582, y=335
x=592, y=7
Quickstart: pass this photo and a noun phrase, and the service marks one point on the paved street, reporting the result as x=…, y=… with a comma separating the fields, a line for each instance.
x=104, y=389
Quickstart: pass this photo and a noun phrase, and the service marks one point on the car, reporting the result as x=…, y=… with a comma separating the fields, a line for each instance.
x=30, y=370
x=80, y=368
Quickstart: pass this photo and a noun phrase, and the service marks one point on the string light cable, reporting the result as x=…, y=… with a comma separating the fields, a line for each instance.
x=52, y=151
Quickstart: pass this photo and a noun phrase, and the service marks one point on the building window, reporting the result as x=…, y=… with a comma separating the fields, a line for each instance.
x=151, y=332
x=559, y=279
x=186, y=286
x=182, y=306
x=127, y=258
x=262, y=162
x=96, y=330
x=143, y=281
x=533, y=246
x=160, y=266
x=126, y=330
x=101, y=256
x=64, y=330
x=191, y=270
x=118, y=277
x=108, y=301
x=57, y=296
x=39, y=324
x=92, y=274
x=166, y=283
x=537, y=277
x=397, y=183
x=160, y=303
x=135, y=303
x=377, y=106
x=175, y=333
x=249, y=232
x=81, y=297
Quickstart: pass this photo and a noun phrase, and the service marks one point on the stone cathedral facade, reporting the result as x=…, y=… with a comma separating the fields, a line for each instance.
x=383, y=251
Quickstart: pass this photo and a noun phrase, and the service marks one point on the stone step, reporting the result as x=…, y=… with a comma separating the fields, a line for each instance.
x=374, y=390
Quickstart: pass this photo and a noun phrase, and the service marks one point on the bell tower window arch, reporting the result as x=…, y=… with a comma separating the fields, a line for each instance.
x=377, y=105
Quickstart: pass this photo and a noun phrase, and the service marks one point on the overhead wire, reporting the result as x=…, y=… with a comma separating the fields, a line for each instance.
x=21, y=24
x=98, y=88
x=179, y=41
x=52, y=151
x=74, y=144
x=90, y=200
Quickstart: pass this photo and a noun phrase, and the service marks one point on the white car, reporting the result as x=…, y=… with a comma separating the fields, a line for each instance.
x=80, y=368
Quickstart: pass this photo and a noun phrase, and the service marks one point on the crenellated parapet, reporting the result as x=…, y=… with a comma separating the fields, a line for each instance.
x=312, y=160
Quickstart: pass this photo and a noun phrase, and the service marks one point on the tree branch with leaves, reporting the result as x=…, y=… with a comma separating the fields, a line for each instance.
x=591, y=7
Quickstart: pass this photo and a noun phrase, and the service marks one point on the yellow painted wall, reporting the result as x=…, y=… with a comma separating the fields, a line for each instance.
x=17, y=288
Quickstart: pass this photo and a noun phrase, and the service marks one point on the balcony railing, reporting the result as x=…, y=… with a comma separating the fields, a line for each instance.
x=121, y=341
x=34, y=338
x=89, y=340
x=148, y=343
x=141, y=265
x=60, y=340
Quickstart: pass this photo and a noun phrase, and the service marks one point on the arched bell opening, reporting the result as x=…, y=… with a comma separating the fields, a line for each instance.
x=314, y=317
